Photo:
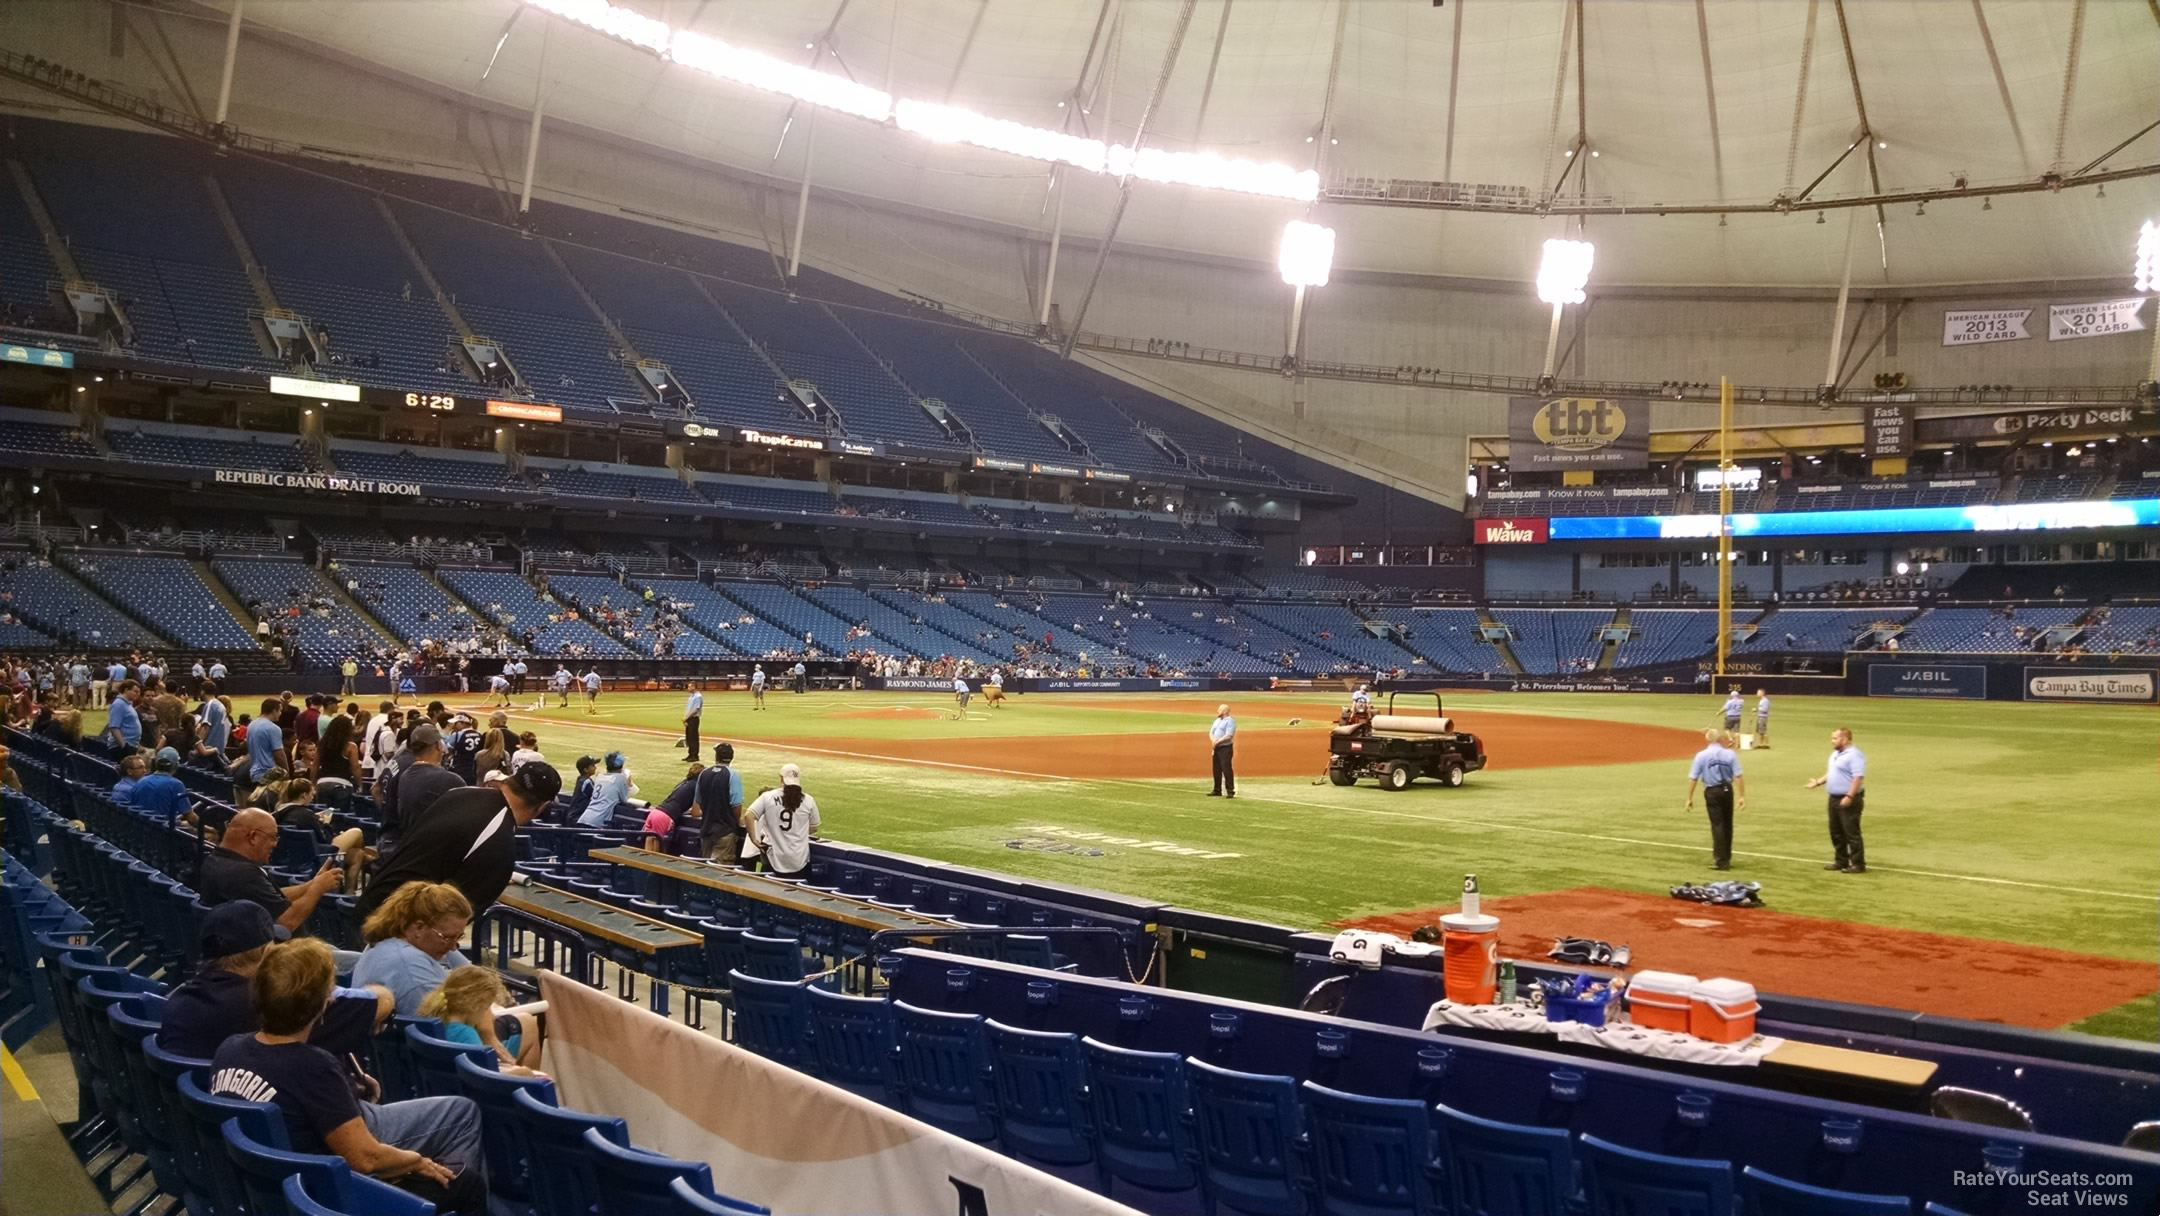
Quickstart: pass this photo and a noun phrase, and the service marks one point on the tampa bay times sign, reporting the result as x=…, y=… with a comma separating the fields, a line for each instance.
x=1578, y=433
x=329, y=482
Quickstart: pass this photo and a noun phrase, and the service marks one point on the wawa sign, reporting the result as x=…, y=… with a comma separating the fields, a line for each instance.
x=1514, y=531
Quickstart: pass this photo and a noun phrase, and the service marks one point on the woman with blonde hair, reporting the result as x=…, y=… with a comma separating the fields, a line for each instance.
x=412, y=939
x=467, y=1004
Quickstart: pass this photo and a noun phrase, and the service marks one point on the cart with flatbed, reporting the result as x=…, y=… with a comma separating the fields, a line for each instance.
x=1397, y=749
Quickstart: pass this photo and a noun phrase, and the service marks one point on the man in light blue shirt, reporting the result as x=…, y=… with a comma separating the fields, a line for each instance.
x=592, y=689
x=1732, y=710
x=1222, y=736
x=122, y=724
x=611, y=789
x=1762, y=717
x=217, y=671
x=1846, y=776
x=1717, y=767
x=692, y=708
x=265, y=742
x=216, y=726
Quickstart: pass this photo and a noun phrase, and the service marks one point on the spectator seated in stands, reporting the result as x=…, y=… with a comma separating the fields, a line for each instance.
x=161, y=793
x=217, y=1002
x=466, y=1003
x=132, y=768
x=234, y=870
x=429, y=1146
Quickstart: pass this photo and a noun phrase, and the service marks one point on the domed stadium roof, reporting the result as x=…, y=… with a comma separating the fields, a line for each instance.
x=1611, y=107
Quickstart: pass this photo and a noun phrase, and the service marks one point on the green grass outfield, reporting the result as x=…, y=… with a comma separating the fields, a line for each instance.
x=2024, y=823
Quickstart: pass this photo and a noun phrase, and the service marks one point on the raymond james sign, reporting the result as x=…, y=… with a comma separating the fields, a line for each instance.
x=317, y=481
x=2095, y=684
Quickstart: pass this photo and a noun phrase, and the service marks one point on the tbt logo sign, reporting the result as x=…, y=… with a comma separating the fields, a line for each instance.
x=1579, y=424
x=1578, y=433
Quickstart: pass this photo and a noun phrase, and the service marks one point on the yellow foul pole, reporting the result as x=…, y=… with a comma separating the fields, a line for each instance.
x=1725, y=555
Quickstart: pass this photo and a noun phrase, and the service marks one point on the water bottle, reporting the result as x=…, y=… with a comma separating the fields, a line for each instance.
x=1469, y=895
x=1507, y=981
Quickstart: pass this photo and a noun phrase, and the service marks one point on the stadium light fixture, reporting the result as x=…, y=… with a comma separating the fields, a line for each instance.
x=1306, y=254
x=1565, y=271
x=2145, y=272
x=1561, y=277
x=941, y=123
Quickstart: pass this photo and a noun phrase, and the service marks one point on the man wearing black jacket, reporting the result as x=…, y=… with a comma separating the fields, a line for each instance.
x=468, y=838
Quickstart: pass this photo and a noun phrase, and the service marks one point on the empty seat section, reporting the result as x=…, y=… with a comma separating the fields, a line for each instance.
x=1982, y=630
x=65, y=442
x=895, y=628
x=777, y=498
x=165, y=591
x=925, y=356
x=635, y=619
x=512, y=603
x=266, y=453
x=327, y=628
x=486, y=473
x=1819, y=630
x=56, y=603
x=795, y=616
x=721, y=618
x=726, y=379
x=409, y=602
x=1051, y=386
x=577, y=481
x=1344, y=632
x=1450, y=639
x=1670, y=635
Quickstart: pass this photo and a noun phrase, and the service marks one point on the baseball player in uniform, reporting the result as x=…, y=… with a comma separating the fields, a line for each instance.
x=757, y=687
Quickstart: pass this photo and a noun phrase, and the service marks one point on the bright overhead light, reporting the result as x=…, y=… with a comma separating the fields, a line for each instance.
x=2145, y=274
x=945, y=124
x=1306, y=254
x=1565, y=271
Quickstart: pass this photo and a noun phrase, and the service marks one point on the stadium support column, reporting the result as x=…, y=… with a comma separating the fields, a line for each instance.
x=232, y=53
x=1552, y=346
x=802, y=197
x=1057, y=236
x=1725, y=550
x=1837, y=322
x=532, y=134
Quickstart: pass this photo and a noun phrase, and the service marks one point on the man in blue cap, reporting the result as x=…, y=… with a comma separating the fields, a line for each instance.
x=161, y=793
x=216, y=1003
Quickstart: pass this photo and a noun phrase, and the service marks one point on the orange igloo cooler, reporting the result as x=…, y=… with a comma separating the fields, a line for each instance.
x=1723, y=1011
x=1661, y=1000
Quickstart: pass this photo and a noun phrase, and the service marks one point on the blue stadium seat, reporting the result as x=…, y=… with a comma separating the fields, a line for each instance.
x=773, y=958
x=355, y=1195
x=1251, y=1138
x=1504, y=1169
x=552, y=1140
x=1040, y=1089
x=264, y=1169
x=1764, y=1194
x=1620, y=1181
x=772, y=1018
x=493, y=1092
x=690, y=1202
x=852, y=1044
x=434, y=1061
x=1138, y=1106
x=634, y=1182
x=944, y=1070
x=1372, y=1156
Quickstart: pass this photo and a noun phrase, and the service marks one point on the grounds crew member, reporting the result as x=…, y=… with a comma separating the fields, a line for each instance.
x=1846, y=776
x=1222, y=736
x=960, y=693
x=1717, y=767
x=1732, y=710
x=1762, y=717
x=692, y=710
x=757, y=687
